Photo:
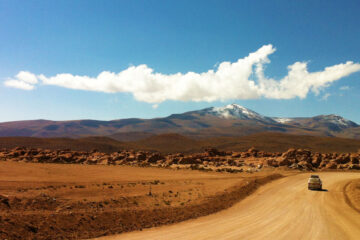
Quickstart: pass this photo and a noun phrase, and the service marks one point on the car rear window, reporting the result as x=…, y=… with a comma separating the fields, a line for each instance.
x=314, y=180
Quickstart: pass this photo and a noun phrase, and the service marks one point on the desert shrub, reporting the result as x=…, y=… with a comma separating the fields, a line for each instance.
x=155, y=182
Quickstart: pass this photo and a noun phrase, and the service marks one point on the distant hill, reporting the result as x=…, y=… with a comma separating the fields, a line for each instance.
x=130, y=136
x=102, y=144
x=228, y=121
x=172, y=143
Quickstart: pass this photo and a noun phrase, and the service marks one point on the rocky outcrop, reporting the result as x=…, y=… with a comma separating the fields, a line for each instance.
x=210, y=159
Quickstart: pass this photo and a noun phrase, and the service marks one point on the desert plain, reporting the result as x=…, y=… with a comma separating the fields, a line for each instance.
x=213, y=194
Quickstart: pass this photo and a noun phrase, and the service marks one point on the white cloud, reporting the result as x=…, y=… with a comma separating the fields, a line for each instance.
x=243, y=79
x=325, y=96
x=19, y=84
x=27, y=77
x=23, y=80
x=344, y=88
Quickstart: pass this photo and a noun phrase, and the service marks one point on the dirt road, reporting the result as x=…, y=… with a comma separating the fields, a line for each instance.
x=283, y=209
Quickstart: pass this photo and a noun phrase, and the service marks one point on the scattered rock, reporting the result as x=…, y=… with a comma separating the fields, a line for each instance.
x=301, y=159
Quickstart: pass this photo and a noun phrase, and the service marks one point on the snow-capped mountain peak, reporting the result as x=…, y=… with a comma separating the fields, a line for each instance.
x=337, y=120
x=234, y=111
x=237, y=112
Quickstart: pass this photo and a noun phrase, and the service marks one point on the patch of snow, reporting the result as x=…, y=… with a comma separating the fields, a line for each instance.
x=234, y=111
x=338, y=120
x=282, y=120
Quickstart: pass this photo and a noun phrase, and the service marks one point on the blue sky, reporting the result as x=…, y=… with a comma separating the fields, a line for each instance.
x=86, y=38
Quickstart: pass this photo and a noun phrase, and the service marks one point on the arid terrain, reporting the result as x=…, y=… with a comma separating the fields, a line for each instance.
x=175, y=143
x=211, y=159
x=283, y=209
x=352, y=194
x=179, y=120
x=57, y=201
x=67, y=194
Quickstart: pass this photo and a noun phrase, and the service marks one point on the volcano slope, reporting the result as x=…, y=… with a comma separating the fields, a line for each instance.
x=283, y=209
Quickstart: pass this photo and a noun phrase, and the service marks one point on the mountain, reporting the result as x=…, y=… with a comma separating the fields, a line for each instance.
x=234, y=111
x=332, y=122
x=328, y=125
x=230, y=120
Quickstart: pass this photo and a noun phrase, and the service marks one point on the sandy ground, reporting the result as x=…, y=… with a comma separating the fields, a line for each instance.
x=75, y=201
x=352, y=190
x=283, y=209
x=75, y=182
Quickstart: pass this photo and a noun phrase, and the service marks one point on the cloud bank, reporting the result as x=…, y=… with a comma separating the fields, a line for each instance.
x=243, y=79
x=23, y=80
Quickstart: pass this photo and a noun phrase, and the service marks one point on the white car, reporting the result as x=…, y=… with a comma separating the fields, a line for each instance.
x=314, y=182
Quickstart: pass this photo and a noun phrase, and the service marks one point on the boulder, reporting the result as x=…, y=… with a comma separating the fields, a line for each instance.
x=283, y=161
x=342, y=166
x=271, y=162
x=40, y=158
x=140, y=156
x=91, y=161
x=291, y=153
x=307, y=166
x=120, y=162
x=80, y=159
x=354, y=167
x=316, y=160
x=253, y=151
x=331, y=165
x=153, y=158
x=66, y=157
x=119, y=156
x=130, y=158
x=231, y=162
x=105, y=160
x=354, y=159
x=189, y=160
x=342, y=159
x=214, y=152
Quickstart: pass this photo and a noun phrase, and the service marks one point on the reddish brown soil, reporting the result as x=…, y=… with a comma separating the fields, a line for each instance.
x=64, y=194
x=57, y=201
